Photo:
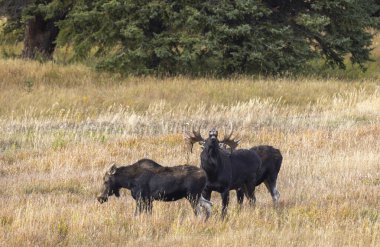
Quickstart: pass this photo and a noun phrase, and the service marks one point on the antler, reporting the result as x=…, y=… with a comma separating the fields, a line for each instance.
x=193, y=137
x=232, y=142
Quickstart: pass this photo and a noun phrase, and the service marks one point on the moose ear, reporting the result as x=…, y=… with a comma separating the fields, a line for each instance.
x=112, y=169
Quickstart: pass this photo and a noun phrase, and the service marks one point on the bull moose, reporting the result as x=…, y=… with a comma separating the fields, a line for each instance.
x=271, y=164
x=226, y=170
x=149, y=181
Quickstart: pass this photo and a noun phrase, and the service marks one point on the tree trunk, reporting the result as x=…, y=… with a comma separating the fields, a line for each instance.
x=40, y=37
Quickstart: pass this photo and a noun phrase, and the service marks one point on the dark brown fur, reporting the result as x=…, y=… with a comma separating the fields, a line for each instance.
x=149, y=181
x=271, y=164
x=236, y=170
x=271, y=159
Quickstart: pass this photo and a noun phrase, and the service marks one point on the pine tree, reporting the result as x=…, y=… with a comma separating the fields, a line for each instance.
x=199, y=37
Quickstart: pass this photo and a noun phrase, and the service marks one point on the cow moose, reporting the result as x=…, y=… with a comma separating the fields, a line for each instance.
x=149, y=181
x=271, y=164
x=226, y=170
x=271, y=159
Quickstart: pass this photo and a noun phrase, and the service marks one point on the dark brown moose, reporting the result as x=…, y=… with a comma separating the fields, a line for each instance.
x=271, y=164
x=236, y=170
x=149, y=181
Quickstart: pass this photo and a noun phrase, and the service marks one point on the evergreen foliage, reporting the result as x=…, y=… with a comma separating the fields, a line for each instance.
x=18, y=12
x=208, y=37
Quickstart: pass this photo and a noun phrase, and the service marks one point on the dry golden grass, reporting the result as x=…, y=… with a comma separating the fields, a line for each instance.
x=61, y=126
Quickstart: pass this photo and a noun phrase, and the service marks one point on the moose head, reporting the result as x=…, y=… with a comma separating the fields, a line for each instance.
x=212, y=142
x=110, y=185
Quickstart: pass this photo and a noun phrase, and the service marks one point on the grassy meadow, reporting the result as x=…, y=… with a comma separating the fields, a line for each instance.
x=61, y=126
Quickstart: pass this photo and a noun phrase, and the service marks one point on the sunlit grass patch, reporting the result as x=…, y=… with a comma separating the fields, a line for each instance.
x=56, y=187
x=6, y=220
x=62, y=126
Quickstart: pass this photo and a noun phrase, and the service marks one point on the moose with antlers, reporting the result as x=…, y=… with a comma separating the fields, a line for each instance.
x=271, y=159
x=226, y=170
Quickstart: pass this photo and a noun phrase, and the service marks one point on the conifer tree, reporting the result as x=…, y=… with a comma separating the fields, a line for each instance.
x=199, y=37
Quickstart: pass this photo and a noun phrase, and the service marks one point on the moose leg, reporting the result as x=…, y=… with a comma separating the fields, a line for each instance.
x=240, y=196
x=138, y=196
x=271, y=186
x=149, y=206
x=200, y=203
x=225, y=200
x=137, y=210
x=139, y=206
x=146, y=205
x=194, y=202
x=206, y=205
x=206, y=193
x=143, y=205
x=249, y=190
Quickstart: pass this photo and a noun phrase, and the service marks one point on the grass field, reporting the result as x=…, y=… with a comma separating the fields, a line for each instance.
x=61, y=126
